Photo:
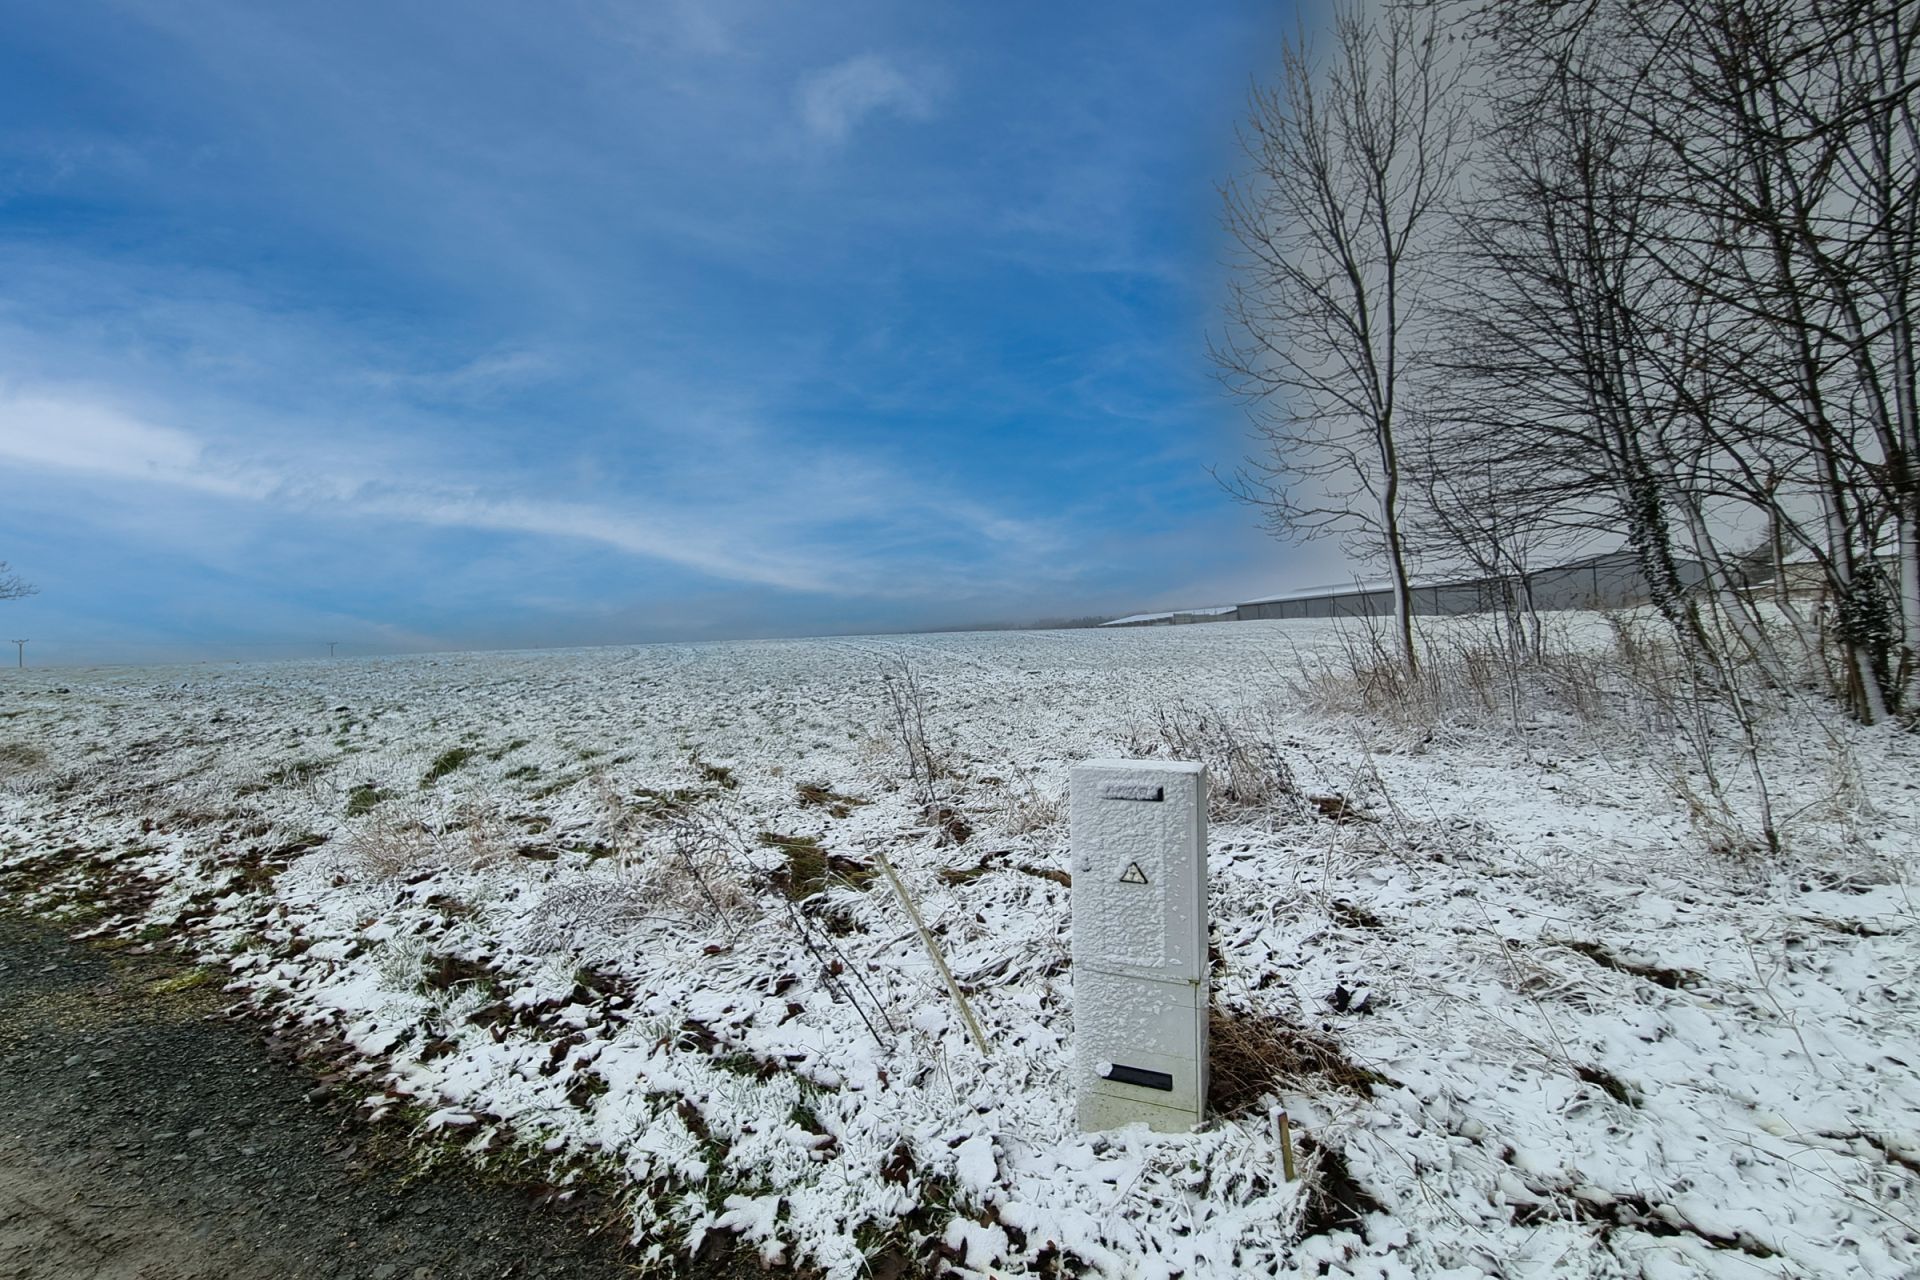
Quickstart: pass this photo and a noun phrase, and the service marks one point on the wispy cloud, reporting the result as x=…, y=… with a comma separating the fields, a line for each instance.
x=859, y=540
x=834, y=101
x=864, y=314
x=473, y=379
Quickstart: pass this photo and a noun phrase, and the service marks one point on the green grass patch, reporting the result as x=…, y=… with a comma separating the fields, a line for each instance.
x=19, y=755
x=362, y=799
x=818, y=795
x=810, y=868
x=186, y=980
x=446, y=762
x=297, y=772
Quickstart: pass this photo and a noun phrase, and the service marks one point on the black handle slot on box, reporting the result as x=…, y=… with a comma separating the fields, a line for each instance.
x=1131, y=791
x=1139, y=1075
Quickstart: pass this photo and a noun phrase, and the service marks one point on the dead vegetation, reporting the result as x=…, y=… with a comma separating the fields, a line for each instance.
x=1002, y=861
x=810, y=869
x=1024, y=808
x=395, y=845
x=1672, y=979
x=1245, y=770
x=927, y=768
x=389, y=847
x=23, y=767
x=586, y=908
x=818, y=795
x=1252, y=1056
x=1715, y=730
x=20, y=757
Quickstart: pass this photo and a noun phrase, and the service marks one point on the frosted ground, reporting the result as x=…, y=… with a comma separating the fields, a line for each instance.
x=613, y=910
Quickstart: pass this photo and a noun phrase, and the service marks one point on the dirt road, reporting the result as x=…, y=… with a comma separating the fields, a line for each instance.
x=144, y=1136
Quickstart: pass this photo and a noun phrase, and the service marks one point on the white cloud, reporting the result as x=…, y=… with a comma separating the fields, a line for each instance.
x=77, y=436
x=37, y=430
x=475, y=379
x=834, y=101
x=855, y=536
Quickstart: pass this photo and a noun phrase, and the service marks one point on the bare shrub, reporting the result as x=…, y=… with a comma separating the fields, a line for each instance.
x=1470, y=676
x=928, y=771
x=1474, y=678
x=1245, y=770
x=697, y=862
x=1711, y=726
x=1026, y=809
x=388, y=847
x=591, y=905
x=907, y=706
x=476, y=835
x=713, y=860
x=620, y=821
x=392, y=844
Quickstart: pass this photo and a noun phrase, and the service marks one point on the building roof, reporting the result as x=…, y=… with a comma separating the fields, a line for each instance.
x=1211, y=611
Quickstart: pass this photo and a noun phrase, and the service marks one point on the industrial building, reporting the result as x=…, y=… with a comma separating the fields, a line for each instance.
x=1608, y=581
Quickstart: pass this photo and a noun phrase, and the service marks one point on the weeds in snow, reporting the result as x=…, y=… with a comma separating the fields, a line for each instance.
x=927, y=768
x=588, y=908
x=1245, y=770
x=1253, y=1056
x=394, y=844
x=1024, y=808
x=1715, y=731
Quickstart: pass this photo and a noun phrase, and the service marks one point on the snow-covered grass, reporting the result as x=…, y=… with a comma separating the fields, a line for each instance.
x=616, y=906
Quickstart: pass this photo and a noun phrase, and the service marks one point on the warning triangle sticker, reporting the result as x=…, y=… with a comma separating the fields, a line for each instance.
x=1133, y=874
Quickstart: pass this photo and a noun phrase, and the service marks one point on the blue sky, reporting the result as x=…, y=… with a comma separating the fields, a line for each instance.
x=420, y=325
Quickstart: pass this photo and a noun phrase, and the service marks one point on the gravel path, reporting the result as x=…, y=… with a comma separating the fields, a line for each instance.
x=146, y=1136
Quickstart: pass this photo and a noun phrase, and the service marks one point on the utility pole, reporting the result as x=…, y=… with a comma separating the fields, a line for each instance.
x=20, y=653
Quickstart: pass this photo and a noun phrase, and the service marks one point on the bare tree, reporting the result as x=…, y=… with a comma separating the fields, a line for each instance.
x=1479, y=514
x=1796, y=130
x=1352, y=163
x=13, y=586
x=1560, y=315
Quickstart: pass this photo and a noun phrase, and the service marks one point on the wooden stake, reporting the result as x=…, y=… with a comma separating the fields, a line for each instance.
x=933, y=949
x=1286, y=1146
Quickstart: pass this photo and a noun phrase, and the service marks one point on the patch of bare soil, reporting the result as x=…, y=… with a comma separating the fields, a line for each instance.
x=145, y=1135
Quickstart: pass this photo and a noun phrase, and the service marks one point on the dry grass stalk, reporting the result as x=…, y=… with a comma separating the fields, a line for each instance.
x=1245, y=772
x=1252, y=1056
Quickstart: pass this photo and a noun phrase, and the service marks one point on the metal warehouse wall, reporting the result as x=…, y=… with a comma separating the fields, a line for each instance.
x=1606, y=582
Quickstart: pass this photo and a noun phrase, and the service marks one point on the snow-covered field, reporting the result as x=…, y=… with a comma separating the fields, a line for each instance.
x=567, y=901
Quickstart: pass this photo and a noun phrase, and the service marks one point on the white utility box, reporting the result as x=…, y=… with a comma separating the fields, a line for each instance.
x=1140, y=943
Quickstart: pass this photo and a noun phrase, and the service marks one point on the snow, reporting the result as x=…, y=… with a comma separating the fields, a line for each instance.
x=1600, y=1050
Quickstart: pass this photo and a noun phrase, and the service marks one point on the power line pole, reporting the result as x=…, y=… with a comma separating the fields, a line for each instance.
x=20, y=654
